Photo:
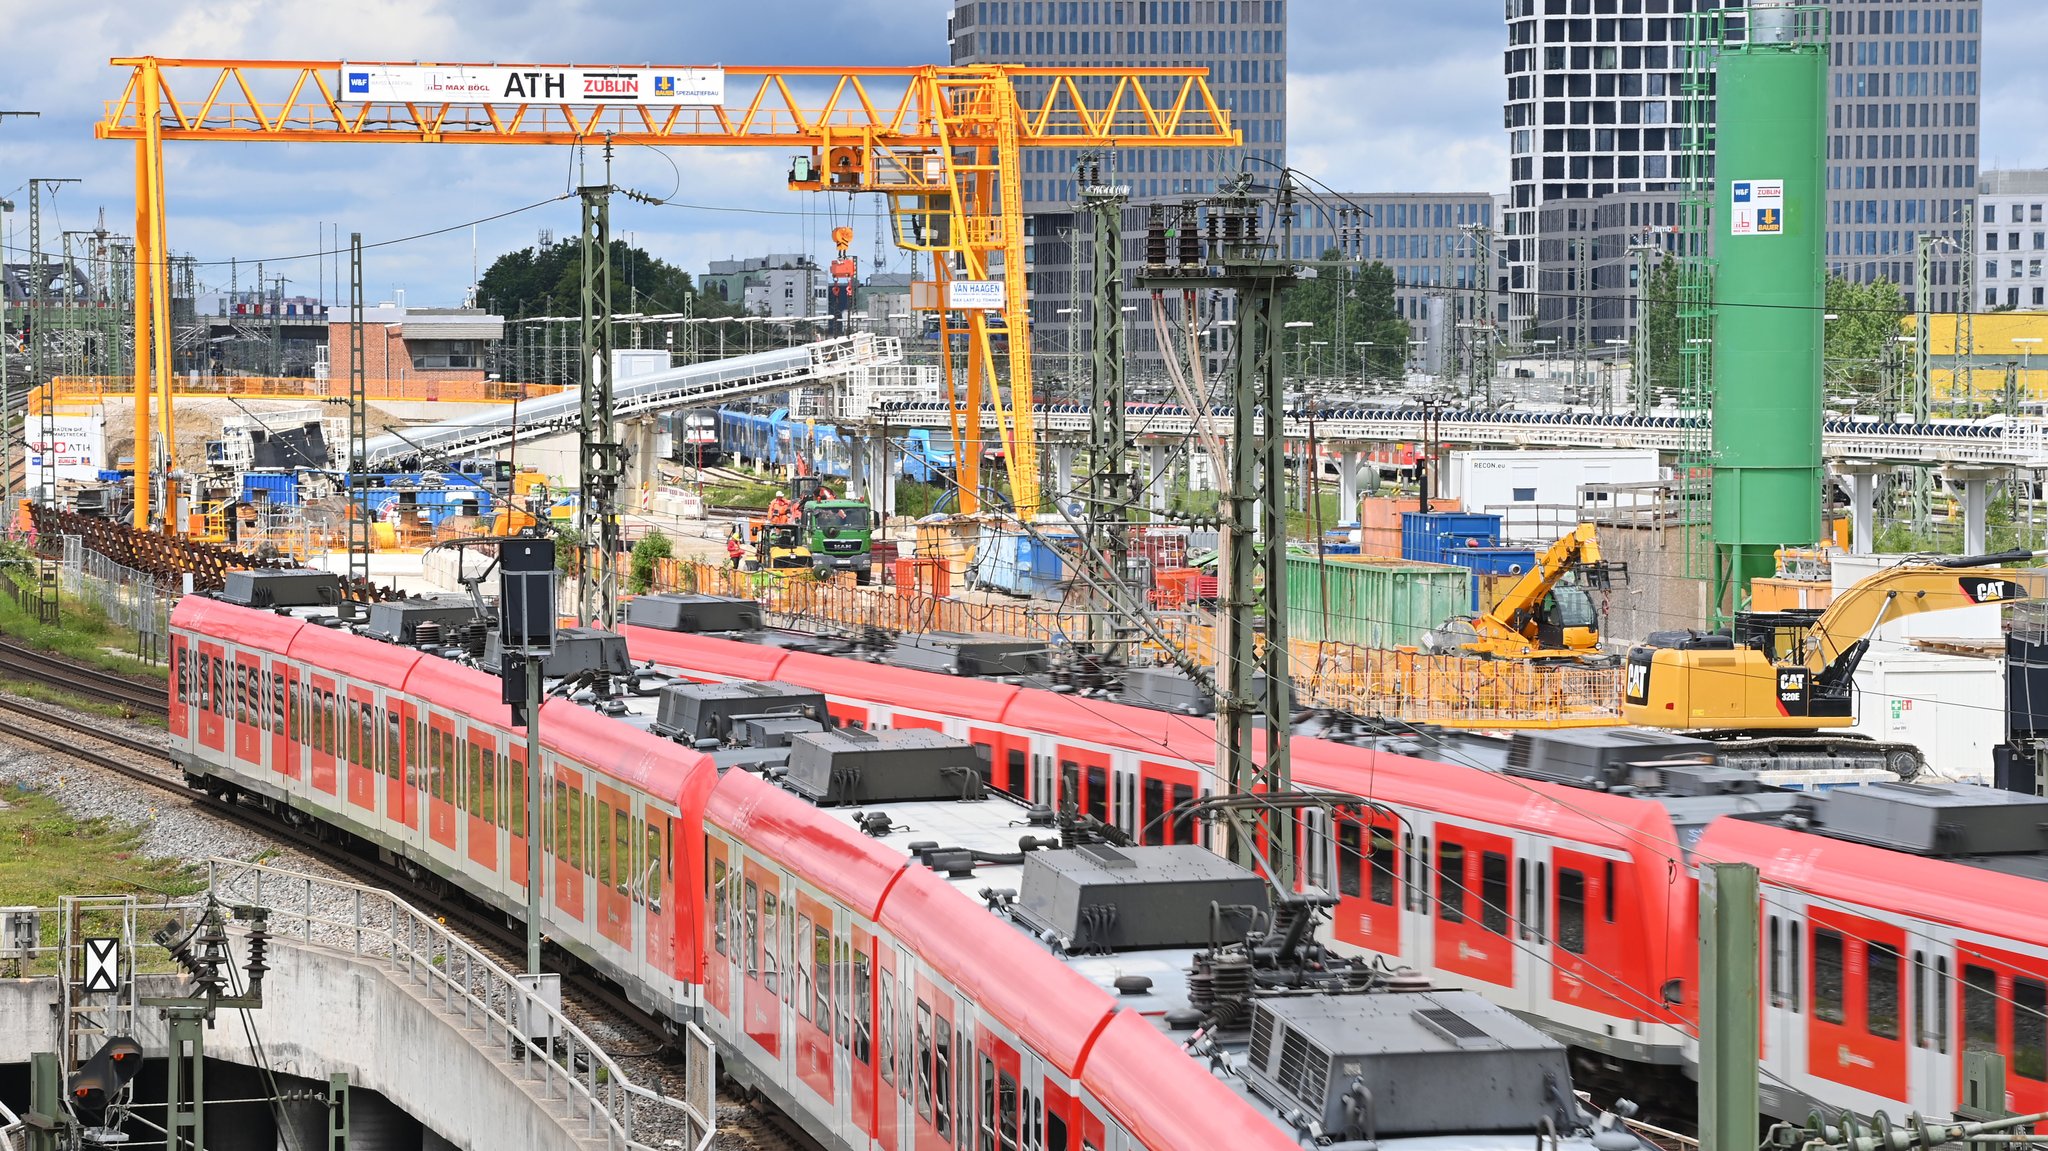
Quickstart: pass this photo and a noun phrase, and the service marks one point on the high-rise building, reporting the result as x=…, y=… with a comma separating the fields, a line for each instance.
x=1902, y=139
x=1595, y=103
x=1436, y=243
x=1243, y=43
x=2012, y=239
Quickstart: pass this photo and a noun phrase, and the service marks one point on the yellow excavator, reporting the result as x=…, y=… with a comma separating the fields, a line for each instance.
x=1543, y=617
x=1781, y=679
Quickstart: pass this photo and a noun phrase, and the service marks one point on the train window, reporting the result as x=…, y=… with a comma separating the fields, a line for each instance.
x=277, y=703
x=220, y=687
x=1571, y=910
x=1315, y=851
x=1348, y=862
x=178, y=661
x=984, y=762
x=1017, y=771
x=863, y=1008
x=1941, y=1003
x=558, y=838
x=473, y=782
x=720, y=906
x=1493, y=892
x=1098, y=793
x=1184, y=823
x=1540, y=906
x=886, y=1020
x=1408, y=849
x=1607, y=895
x=626, y=857
x=1152, y=812
x=1793, y=970
x=771, y=945
x=1881, y=991
x=394, y=740
x=923, y=1053
x=1776, y=951
x=2030, y=1029
x=1920, y=994
x=1980, y=1008
x=803, y=973
x=1450, y=881
x=657, y=864
x=1383, y=867
x=576, y=830
x=1070, y=785
x=942, y=1076
x=1055, y=1131
x=515, y=780
x=988, y=1103
x=1827, y=976
x=752, y=942
x=822, y=975
x=1006, y=1101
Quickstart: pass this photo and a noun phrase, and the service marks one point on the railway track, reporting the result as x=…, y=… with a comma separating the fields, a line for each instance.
x=134, y=695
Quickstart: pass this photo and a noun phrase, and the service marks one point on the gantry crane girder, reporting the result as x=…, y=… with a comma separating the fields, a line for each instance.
x=945, y=143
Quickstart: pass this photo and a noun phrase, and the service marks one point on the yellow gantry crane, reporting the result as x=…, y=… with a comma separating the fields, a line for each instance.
x=945, y=144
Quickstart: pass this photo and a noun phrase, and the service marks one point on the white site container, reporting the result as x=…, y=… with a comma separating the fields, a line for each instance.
x=1949, y=706
x=1498, y=480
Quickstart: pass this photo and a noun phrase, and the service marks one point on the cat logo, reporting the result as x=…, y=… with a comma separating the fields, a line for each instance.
x=1792, y=685
x=1985, y=589
x=1639, y=681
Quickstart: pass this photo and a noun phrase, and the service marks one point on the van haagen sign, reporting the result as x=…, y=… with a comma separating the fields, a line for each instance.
x=474, y=84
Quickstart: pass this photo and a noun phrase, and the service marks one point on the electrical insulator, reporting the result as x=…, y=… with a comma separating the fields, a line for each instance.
x=1155, y=235
x=1190, y=238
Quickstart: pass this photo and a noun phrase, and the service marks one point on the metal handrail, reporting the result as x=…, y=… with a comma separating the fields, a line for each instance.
x=571, y=1068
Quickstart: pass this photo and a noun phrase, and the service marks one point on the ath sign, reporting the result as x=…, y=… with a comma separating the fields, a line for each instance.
x=469, y=84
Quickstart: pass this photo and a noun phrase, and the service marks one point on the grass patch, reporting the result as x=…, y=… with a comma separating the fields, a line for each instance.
x=740, y=495
x=82, y=633
x=44, y=693
x=46, y=852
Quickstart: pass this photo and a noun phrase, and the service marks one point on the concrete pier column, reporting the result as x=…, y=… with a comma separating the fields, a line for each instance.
x=1347, y=484
x=1063, y=472
x=1156, y=473
x=1976, y=480
x=1862, y=478
x=886, y=465
x=643, y=463
x=856, y=466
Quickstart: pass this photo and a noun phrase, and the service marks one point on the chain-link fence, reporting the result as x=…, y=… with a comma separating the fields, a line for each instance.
x=132, y=601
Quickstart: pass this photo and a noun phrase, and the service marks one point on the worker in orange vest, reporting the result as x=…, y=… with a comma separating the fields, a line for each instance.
x=779, y=509
x=734, y=550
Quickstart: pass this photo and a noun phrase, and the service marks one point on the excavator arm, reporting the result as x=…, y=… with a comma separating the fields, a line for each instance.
x=1917, y=589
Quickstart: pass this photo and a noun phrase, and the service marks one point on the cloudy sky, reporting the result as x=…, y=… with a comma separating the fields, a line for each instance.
x=1385, y=95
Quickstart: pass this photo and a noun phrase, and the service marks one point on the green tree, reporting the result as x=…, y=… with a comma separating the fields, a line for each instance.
x=652, y=547
x=1660, y=328
x=1364, y=293
x=1860, y=339
x=549, y=281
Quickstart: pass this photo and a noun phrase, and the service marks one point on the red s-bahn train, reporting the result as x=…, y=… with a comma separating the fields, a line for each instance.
x=1554, y=874
x=869, y=974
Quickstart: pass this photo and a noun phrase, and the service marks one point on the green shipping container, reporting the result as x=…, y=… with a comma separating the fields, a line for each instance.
x=1378, y=603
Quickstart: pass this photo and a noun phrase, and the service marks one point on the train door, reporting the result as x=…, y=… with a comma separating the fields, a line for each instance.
x=1162, y=790
x=402, y=776
x=892, y=1061
x=1591, y=954
x=1784, y=948
x=2003, y=1009
x=1929, y=1083
x=655, y=891
x=1084, y=782
x=295, y=734
x=246, y=687
x=612, y=863
x=443, y=768
x=862, y=1086
x=362, y=741
x=810, y=997
x=934, y=1040
x=725, y=950
x=1000, y=1125
x=1474, y=904
x=567, y=843
x=1368, y=879
x=212, y=684
x=762, y=1007
x=1855, y=1032
x=997, y=754
x=484, y=786
x=181, y=691
x=280, y=759
x=324, y=724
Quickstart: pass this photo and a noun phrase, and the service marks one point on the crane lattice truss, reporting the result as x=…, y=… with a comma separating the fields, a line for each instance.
x=944, y=143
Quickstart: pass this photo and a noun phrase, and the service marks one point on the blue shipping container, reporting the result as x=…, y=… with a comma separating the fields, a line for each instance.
x=1425, y=535
x=277, y=487
x=1490, y=561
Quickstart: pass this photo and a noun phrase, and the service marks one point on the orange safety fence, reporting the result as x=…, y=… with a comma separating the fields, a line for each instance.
x=1399, y=683
x=294, y=387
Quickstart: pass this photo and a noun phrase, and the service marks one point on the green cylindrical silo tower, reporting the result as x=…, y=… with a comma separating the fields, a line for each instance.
x=1770, y=227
